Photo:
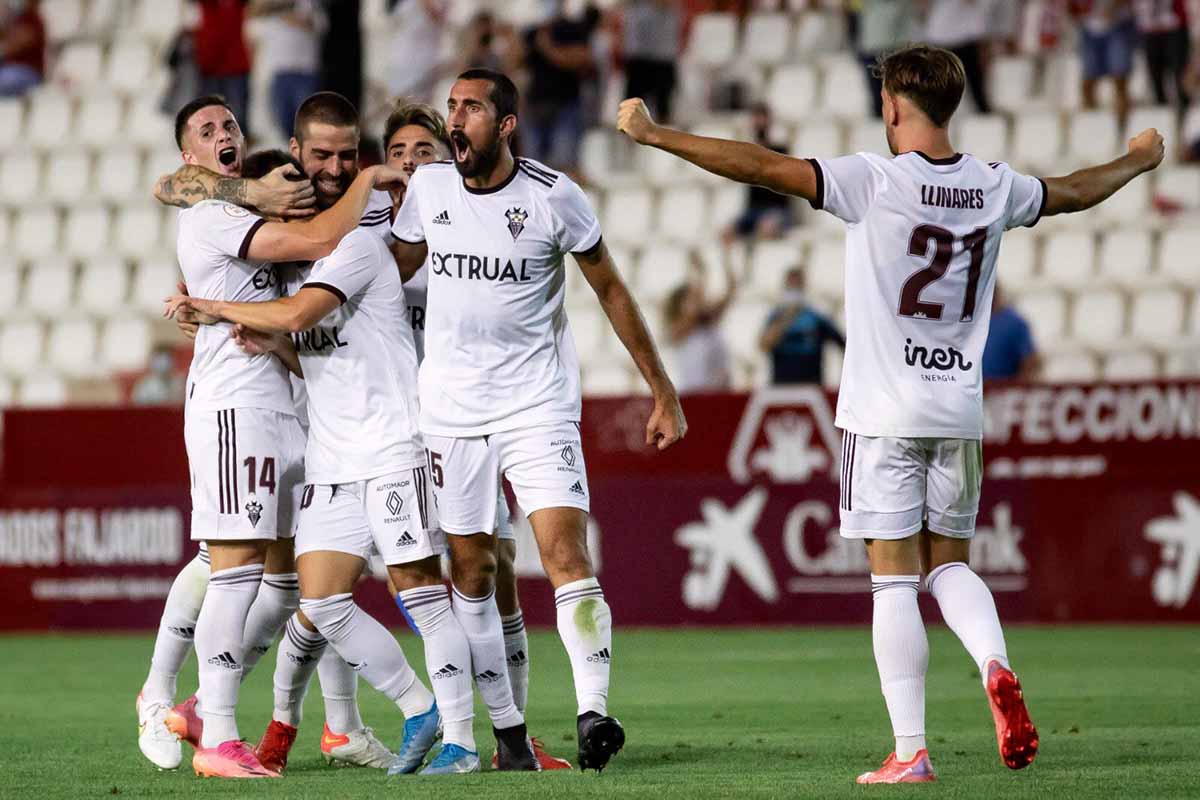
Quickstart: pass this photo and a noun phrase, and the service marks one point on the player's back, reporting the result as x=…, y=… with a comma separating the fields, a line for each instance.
x=922, y=240
x=211, y=247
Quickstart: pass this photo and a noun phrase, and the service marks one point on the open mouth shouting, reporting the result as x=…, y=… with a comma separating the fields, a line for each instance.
x=462, y=147
x=227, y=156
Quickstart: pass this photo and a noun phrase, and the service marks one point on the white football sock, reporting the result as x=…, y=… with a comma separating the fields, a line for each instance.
x=446, y=650
x=969, y=611
x=902, y=657
x=368, y=648
x=585, y=627
x=176, y=630
x=480, y=620
x=339, y=690
x=299, y=651
x=516, y=653
x=278, y=598
x=219, y=648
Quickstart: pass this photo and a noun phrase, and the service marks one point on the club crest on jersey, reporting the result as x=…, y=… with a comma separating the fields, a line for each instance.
x=254, y=512
x=516, y=221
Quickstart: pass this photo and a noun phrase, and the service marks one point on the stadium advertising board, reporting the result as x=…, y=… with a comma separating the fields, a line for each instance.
x=1090, y=512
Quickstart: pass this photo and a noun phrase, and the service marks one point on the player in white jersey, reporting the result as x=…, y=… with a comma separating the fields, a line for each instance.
x=415, y=134
x=923, y=232
x=240, y=424
x=500, y=393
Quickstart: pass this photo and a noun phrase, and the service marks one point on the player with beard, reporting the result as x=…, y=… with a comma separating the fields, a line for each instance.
x=500, y=385
x=238, y=403
x=415, y=134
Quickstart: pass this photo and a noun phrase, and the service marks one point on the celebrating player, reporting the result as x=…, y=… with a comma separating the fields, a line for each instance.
x=924, y=230
x=500, y=392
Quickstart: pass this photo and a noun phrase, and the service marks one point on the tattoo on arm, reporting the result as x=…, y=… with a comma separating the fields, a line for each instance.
x=191, y=184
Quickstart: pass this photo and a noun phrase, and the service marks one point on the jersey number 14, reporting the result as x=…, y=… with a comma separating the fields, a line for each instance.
x=911, y=304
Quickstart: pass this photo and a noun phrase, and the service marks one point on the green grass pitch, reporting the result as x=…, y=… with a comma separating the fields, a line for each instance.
x=709, y=713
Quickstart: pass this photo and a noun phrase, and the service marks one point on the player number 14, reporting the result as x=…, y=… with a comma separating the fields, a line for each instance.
x=911, y=304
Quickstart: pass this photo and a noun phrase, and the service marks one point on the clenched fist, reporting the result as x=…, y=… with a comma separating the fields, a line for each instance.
x=1147, y=146
x=633, y=119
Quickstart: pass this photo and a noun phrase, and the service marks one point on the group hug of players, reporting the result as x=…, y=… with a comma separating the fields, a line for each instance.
x=376, y=349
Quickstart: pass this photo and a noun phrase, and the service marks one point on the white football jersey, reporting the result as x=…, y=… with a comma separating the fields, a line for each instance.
x=211, y=246
x=502, y=356
x=377, y=217
x=416, y=290
x=292, y=276
x=360, y=368
x=921, y=244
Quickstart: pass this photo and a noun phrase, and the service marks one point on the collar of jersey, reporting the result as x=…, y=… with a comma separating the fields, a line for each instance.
x=954, y=159
x=493, y=189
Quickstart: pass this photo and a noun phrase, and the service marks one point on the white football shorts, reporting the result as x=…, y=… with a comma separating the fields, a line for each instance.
x=393, y=515
x=543, y=464
x=247, y=472
x=893, y=488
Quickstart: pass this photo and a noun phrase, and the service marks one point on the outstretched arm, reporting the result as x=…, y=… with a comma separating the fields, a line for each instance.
x=276, y=195
x=1088, y=187
x=743, y=162
x=667, y=424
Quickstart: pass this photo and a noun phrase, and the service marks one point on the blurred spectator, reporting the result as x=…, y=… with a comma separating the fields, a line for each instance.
x=185, y=75
x=486, y=43
x=1107, y=37
x=558, y=58
x=1004, y=26
x=342, y=50
x=883, y=25
x=1163, y=25
x=695, y=347
x=961, y=26
x=222, y=57
x=650, y=44
x=290, y=49
x=1010, y=351
x=416, y=48
x=22, y=48
x=767, y=214
x=162, y=384
x=796, y=335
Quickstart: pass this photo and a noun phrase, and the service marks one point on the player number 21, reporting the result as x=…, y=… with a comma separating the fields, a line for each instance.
x=911, y=304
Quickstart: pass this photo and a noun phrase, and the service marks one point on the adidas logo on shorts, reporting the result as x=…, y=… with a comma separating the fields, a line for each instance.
x=448, y=671
x=601, y=656
x=442, y=218
x=226, y=660
x=577, y=488
x=405, y=540
x=487, y=676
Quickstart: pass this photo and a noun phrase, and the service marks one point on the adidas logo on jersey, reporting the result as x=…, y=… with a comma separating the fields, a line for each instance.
x=577, y=488
x=442, y=218
x=405, y=540
x=225, y=660
x=487, y=676
x=601, y=656
x=448, y=671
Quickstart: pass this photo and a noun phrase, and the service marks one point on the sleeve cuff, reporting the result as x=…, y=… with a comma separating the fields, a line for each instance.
x=590, y=251
x=244, y=250
x=406, y=240
x=818, y=203
x=1042, y=207
x=333, y=290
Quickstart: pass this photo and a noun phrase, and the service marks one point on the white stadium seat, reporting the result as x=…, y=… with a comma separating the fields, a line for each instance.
x=87, y=231
x=742, y=327
x=1182, y=362
x=1092, y=136
x=1062, y=79
x=866, y=135
x=1068, y=259
x=8, y=394
x=819, y=140
x=12, y=117
x=10, y=290
x=607, y=381
x=1098, y=318
x=1130, y=365
x=49, y=288
x=595, y=155
x=1037, y=142
x=21, y=347
x=35, y=235
x=628, y=215
x=713, y=40
x=819, y=32
x=1073, y=367
x=1157, y=316
x=984, y=136
x=1046, y=312
x=20, y=177
x=79, y=65
x=103, y=286
x=588, y=328
x=1180, y=184
x=119, y=176
x=1129, y=206
x=825, y=274
x=1127, y=258
x=138, y=229
x=49, y=122
x=792, y=92
x=661, y=269
x=845, y=91
x=68, y=177
x=63, y=18
x=158, y=19
x=130, y=64
x=726, y=203
x=105, y=16
x=43, y=391
x=100, y=120
x=769, y=263
x=5, y=232
x=1016, y=266
x=72, y=347
x=767, y=38
x=154, y=279
x=125, y=344
x=1179, y=256
x=683, y=214
x=1011, y=82
x=147, y=125
x=1192, y=328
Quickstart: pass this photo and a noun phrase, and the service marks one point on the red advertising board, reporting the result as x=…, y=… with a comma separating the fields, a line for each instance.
x=1091, y=512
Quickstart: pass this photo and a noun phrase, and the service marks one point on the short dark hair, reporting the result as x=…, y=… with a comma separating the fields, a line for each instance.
x=260, y=162
x=426, y=116
x=185, y=114
x=503, y=94
x=932, y=78
x=330, y=108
